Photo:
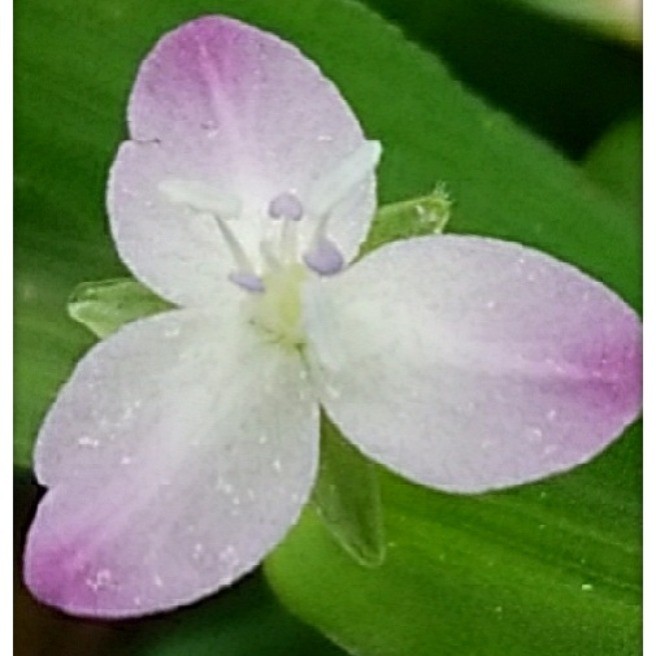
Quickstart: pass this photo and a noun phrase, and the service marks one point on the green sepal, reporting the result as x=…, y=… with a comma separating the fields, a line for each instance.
x=347, y=498
x=415, y=217
x=104, y=306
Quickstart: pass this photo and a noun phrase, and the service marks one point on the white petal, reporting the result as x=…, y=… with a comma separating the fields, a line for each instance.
x=239, y=110
x=468, y=364
x=179, y=453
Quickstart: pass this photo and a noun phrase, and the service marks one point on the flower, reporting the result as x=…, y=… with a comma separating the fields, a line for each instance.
x=184, y=446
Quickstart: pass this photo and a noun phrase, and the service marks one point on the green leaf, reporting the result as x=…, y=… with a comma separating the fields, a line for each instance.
x=551, y=568
x=615, y=162
x=347, y=498
x=76, y=60
x=104, y=306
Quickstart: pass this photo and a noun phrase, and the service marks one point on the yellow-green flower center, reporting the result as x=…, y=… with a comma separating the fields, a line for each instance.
x=277, y=311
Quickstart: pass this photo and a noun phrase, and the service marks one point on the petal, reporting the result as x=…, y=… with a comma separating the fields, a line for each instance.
x=173, y=249
x=240, y=110
x=468, y=364
x=177, y=456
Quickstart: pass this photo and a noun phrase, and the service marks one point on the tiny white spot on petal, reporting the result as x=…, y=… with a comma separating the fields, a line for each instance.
x=223, y=486
x=535, y=434
x=88, y=441
x=229, y=557
x=101, y=580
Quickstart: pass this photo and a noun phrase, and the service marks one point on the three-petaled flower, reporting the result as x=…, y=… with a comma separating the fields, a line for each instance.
x=184, y=446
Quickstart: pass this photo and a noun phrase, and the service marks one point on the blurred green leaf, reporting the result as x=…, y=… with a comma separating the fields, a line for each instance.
x=76, y=61
x=104, y=306
x=347, y=498
x=562, y=82
x=615, y=162
x=620, y=19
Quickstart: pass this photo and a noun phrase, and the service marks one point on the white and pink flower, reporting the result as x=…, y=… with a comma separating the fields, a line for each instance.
x=184, y=447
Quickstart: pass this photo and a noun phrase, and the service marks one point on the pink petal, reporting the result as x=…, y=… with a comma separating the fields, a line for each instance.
x=174, y=464
x=238, y=109
x=468, y=364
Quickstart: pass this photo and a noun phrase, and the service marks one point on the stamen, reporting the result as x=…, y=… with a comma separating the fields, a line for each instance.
x=211, y=204
x=333, y=187
x=324, y=257
x=239, y=255
x=286, y=206
x=248, y=281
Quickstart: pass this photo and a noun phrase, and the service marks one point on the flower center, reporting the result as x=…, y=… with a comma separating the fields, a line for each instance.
x=273, y=276
x=277, y=311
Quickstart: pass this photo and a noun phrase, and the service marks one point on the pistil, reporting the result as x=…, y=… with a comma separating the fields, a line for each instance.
x=322, y=255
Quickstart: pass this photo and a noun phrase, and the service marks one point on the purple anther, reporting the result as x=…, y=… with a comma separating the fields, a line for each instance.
x=248, y=281
x=324, y=258
x=286, y=206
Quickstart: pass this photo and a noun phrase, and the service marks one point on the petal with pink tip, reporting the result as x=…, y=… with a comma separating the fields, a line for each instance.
x=243, y=111
x=468, y=364
x=174, y=464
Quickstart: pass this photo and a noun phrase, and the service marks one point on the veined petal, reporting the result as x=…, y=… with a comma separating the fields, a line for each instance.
x=176, y=457
x=227, y=105
x=468, y=364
